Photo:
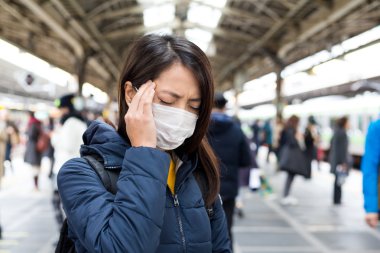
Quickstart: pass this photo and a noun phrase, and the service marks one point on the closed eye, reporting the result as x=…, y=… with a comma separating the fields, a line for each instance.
x=164, y=102
x=194, y=108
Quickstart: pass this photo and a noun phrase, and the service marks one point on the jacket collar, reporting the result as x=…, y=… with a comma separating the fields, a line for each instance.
x=102, y=140
x=188, y=166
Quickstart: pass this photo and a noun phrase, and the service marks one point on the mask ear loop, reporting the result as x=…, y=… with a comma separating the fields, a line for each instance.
x=134, y=87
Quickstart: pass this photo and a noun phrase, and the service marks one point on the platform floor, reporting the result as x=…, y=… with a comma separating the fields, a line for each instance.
x=314, y=225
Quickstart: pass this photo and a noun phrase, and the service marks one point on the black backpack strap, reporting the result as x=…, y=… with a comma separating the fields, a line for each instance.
x=65, y=244
x=109, y=178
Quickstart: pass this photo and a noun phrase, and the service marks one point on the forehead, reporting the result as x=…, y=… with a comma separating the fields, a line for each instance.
x=179, y=79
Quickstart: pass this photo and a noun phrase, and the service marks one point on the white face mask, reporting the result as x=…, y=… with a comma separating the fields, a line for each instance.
x=173, y=125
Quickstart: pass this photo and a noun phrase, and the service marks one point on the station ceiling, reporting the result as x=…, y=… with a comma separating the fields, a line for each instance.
x=252, y=37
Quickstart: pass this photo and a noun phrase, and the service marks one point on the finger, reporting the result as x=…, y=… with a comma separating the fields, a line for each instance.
x=147, y=107
x=136, y=99
x=144, y=98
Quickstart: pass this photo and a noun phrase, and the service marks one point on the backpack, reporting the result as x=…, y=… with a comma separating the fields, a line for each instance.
x=109, y=180
x=42, y=141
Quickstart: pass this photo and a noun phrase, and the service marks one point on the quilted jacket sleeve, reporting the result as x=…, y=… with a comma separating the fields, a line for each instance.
x=130, y=221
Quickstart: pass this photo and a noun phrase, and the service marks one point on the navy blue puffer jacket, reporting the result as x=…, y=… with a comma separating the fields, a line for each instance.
x=232, y=149
x=143, y=216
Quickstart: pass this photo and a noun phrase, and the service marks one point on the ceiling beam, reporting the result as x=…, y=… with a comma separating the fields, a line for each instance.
x=325, y=18
x=262, y=7
x=57, y=28
x=141, y=29
x=227, y=11
x=138, y=9
x=39, y=12
x=93, y=37
x=262, y=41
x=102, y=7
x=287, y=4
x=15, y=13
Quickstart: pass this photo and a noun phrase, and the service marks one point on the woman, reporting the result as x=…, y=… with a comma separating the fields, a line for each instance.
x=13, y=138
x=339, y=157
x=292, y=158
x=32, y=155
x=311, y=140
x=165, y=100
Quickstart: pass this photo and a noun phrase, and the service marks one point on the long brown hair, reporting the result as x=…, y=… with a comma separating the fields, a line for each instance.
x=148, y=58
x=293, y=122
x=342, y=122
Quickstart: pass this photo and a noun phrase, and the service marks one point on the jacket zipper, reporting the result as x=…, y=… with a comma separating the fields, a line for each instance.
x=176, y=205
x=112, y=167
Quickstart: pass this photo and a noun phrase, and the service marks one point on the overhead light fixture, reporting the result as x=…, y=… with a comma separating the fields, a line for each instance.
x=159, y=14
x=204, y=15
x=199, y=37
x=161, y=31
x=218, y=3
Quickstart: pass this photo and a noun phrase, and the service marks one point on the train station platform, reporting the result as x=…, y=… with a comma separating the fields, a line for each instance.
x=314, y=225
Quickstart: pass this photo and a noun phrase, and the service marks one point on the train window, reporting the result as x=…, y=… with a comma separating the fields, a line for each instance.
x=332, y=122
x=360, y=122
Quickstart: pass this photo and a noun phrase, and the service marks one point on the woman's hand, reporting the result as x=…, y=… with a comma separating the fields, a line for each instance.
x=343, y=167
x=140, y=126
x=372, y=219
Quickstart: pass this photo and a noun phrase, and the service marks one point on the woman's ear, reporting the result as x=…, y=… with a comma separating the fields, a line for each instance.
x=129, y=92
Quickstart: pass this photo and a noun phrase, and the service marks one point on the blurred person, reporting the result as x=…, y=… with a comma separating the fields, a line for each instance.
x=267, y=137
x=66, y=141
x=165, y=100
x=339, y=157
x=13, y=138
x=292, y=158
x=232, y=149
x=311, y=140
x=245, y=180
x=49, y=152
x=370, y=169
x=256, y=137
x=277, y=130
x=32, y=155
x=3, y=140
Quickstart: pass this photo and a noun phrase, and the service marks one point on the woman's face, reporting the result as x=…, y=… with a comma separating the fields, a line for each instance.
x=347, y=125
x=177, y=87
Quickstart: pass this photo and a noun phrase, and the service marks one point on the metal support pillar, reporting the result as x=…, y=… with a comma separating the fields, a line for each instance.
x=279, y=103
x=239, y=79
x=81, y=64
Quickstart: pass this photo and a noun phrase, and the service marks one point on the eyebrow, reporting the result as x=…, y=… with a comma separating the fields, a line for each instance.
x=178, y=96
